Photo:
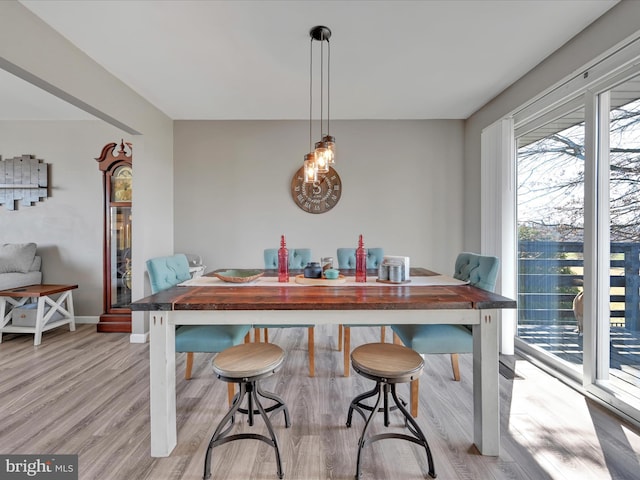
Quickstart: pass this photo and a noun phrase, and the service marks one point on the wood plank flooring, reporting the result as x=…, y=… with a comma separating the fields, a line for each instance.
x=564, y=342
x=86, y=393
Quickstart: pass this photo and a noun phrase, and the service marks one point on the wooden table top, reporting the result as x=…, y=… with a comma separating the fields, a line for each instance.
x=37, y=290
x=365, y=297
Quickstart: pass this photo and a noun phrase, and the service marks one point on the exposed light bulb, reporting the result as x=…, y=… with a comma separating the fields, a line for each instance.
x=330, y=144
x=310, y=170
x=322, y=158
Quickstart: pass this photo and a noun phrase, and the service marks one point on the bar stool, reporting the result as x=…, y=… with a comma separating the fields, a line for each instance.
x=245, y=364
x=387, y=364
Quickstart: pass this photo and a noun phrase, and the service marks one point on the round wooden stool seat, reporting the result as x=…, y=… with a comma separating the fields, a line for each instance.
x=388, y=361
x=248, y=361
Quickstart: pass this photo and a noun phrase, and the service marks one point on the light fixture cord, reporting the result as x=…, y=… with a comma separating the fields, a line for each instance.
x=328, y=85
x=310, y=93
x=321, y=82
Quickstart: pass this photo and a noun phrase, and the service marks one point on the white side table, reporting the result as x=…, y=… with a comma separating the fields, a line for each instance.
x=17, y=297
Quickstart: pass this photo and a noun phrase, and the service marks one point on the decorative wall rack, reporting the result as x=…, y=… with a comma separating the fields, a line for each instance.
x=23, y=178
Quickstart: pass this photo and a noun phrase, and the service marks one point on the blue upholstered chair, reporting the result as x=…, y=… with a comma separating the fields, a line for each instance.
x=298, y=259
x=347, y=257
x=480, y=271
x=347, y=260
x=166, y=272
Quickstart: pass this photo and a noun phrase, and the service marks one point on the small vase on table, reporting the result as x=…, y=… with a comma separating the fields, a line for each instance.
x=283, y=261
x=361, y=262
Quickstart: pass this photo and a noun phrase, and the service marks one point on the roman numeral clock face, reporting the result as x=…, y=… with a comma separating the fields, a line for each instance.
x=317, y=197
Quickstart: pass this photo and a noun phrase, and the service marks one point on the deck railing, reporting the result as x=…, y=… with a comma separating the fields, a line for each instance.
x=551, y=274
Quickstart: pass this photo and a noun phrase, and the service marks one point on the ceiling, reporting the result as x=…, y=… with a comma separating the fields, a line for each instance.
x=240, y=60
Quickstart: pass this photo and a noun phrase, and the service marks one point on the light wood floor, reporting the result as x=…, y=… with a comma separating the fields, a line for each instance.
x=86, y=393
x=566, y=344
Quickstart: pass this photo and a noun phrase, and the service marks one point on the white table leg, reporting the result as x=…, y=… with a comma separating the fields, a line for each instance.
x=486, y=398
x=72, y=314
x=5, y=317
x=37, y=336
x=162, y=345
x=63, y=305
x=3, y=321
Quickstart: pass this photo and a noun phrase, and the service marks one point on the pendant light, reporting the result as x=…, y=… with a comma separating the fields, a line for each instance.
x=327, y=146
x=323, y=154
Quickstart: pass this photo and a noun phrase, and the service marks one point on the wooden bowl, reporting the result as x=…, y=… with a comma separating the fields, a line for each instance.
x=238, y=275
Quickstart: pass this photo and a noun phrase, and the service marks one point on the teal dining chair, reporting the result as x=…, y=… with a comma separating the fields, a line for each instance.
x=480, y=271
x=298, y=259
x=169, y=271
x=347, y=260
x=347, y=257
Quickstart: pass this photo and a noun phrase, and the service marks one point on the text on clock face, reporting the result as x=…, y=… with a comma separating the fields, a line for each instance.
x=319, y=196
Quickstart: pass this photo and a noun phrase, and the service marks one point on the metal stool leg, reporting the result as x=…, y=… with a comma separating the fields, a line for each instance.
x=383, y=389
x=386, y=404
x=274, y=439
x=219, y=432
x=356, y=405
x=280, y=405
x=254, y=407
x=422, y=440
x=363, y=441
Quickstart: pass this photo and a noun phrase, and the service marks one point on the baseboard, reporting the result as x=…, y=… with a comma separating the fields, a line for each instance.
x=139, y=337
x=90, y=320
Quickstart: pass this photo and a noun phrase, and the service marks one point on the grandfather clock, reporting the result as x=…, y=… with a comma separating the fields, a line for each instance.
x=116, y=168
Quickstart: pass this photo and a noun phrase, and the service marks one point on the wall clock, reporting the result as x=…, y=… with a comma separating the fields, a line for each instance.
x=318, y=197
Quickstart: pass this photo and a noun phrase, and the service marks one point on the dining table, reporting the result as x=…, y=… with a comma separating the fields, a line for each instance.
x=427, y=298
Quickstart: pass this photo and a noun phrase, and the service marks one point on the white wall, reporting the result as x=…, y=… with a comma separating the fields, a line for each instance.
x=618, y=24
x=403, y=180
x=31, y=49
x=402, y=189
x=67, y=226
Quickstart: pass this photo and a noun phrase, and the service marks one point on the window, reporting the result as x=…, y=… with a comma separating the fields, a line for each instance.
x=577, y=159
